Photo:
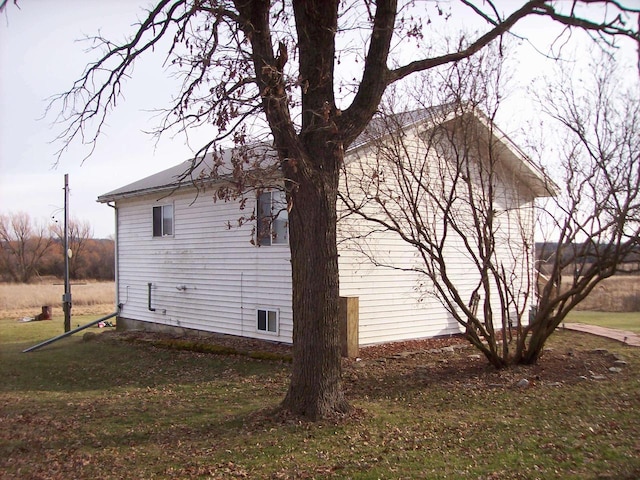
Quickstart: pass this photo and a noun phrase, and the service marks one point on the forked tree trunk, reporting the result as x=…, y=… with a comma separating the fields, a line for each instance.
x=532, y=347
x=315, y=390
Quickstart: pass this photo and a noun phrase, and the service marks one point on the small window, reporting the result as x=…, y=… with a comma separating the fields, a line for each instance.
x=163, y=221
x=268, y=321
x=272, y=228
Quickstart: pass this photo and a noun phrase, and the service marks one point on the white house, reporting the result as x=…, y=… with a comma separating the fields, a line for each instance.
x=187, y=261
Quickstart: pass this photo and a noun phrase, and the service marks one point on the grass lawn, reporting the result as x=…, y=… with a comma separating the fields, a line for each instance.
x=108, y=408
x=622, y=321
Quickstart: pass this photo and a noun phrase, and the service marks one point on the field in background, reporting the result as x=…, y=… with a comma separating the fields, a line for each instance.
x=620, y=293
x=25, y=300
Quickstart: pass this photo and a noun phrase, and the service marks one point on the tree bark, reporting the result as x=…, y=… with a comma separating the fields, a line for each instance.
x=310, y=161
x=315, y=390
x=312, y=170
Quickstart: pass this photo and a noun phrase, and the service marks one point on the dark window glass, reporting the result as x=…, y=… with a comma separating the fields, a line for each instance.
x=157, y=221
x=163, y=220
x=262, y=320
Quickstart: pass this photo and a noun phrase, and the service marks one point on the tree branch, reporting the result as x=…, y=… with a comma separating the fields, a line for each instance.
x=501, y=28
x=375, y=77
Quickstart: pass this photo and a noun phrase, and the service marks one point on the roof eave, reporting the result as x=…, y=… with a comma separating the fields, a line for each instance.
x=539, y=182
x=136, y=193
x=171, y=187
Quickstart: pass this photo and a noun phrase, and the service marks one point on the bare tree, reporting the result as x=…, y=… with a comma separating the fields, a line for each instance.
x=255, y=62
x=101, y=264
x=80, y=233
x=449, y=189
x=23, y=244
x=594, y=225
x=457, y=192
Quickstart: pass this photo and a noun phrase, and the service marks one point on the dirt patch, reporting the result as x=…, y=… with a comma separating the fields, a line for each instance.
x=456, y=365
x=417, y=363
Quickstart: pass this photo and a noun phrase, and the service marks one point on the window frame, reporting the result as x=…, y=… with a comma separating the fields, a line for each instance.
x=266, y=220
x=158, y=222
x=276, y=319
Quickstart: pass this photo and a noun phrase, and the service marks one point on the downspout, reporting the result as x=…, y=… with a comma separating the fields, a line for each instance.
x=116, y=259
x=149, y=285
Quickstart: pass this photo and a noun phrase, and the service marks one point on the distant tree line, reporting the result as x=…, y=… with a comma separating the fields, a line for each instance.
x=572, y=255
x=30, y=249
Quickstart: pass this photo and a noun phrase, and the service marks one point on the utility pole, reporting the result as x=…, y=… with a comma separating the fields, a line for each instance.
x=66, y=298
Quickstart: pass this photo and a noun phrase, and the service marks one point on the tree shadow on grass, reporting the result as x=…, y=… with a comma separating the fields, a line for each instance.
x=115, y=439
x=73, y=365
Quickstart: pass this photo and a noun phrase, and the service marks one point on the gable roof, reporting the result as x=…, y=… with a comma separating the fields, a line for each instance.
x=166, y=179
x=379, y=125
x=516, y=160
x=509, y=154
x=198, y=171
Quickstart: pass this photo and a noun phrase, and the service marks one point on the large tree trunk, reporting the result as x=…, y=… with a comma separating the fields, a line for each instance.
x=313, y=170
x=311, y=160
x=315, y=390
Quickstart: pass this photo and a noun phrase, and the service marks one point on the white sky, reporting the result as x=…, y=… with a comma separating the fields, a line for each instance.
x=39, y=57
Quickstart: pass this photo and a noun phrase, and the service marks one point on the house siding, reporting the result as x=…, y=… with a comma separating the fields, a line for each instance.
x=206, y=276
x=209, y=276
x=397, y=304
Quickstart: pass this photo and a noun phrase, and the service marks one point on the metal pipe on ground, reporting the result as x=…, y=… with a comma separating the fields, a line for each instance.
x=70, y=332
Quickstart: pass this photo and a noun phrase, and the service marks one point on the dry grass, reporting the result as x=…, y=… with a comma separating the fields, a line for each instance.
x=620, y=293
x=25, y=300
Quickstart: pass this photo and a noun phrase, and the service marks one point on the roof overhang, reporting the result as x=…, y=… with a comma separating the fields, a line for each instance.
x=203, y=172
x=212, y=170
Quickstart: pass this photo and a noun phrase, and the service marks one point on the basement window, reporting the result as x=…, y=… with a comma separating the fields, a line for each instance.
x=267, y=321
x=272, y=228
x=163, y=221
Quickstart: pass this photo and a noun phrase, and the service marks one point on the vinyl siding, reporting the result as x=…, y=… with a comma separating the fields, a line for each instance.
x=206, y=276
x=397, y=304
x=227, y=278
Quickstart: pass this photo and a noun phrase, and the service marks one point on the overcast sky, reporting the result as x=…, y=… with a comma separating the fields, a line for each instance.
x=40, y=56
